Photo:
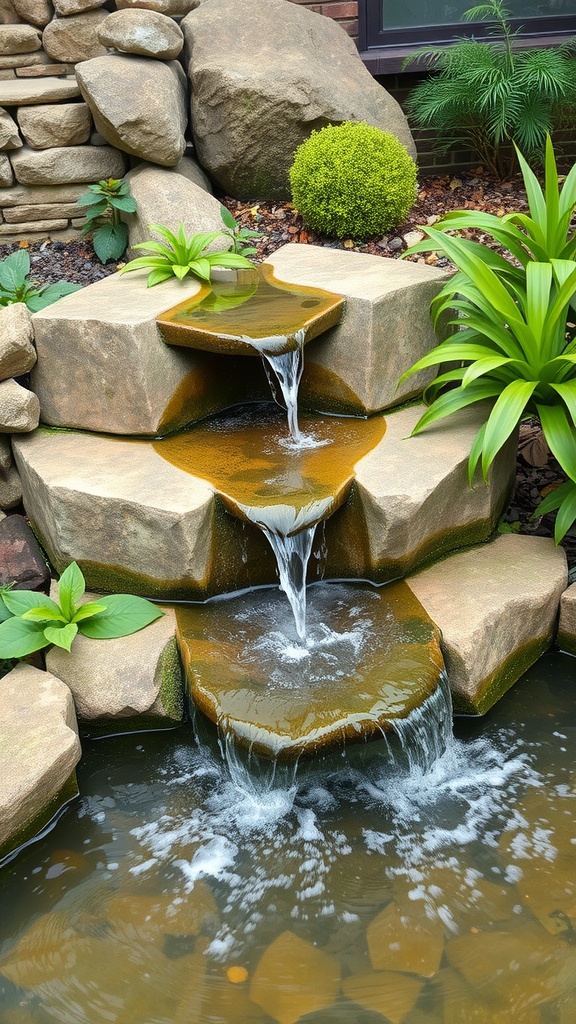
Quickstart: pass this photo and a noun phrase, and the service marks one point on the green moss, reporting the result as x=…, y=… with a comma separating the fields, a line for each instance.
x=566, y=642
x=171, y=682
x=352, y=180
x=498, y=682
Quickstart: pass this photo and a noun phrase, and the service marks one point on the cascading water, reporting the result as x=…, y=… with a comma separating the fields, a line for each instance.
x=292, y=557
x=286, y=370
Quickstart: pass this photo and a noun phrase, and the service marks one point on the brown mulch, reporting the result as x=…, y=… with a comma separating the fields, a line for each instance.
x=537, y=471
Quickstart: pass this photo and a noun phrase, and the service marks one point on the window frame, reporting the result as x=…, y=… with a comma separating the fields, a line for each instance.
x=392, y=46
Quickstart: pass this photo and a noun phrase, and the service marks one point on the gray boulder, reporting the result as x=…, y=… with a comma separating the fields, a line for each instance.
x=264, y=74
x=138, y=105
x=143, y=32
x=74, y=38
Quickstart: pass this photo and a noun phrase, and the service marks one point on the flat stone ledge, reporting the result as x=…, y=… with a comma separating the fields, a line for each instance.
x=567, y=624
x=411, y=500
x=103, y=366
x=496, y=606
x=39, y=750
x=19, y=92
x=126, y=683
x=355, y=367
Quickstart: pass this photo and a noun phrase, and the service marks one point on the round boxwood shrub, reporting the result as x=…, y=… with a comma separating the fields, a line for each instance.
x=352, y=181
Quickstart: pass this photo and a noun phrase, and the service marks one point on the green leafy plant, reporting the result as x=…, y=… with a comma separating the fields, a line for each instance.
x=30, y=620
x=104, y=202
x=486, y=93
x=515, y=335
x=240, y=236
x=182, y=256
x=16, y=286
x=352, y=180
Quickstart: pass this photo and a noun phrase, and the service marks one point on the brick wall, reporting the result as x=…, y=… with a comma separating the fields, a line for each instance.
x=345, y=12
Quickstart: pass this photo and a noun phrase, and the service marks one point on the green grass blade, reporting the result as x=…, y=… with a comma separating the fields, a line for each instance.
x=481, y=367
x=560, y=436
x=567, y=392
x=535, y=195
x=504, y=418
x=158, y=276
x=456, y=399
x=566, y=515
x=475, y=453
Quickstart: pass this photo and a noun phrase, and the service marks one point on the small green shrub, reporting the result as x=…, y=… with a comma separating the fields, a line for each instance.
x=352, y=180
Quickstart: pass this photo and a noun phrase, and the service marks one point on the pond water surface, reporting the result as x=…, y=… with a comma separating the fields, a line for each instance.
x=353, y=892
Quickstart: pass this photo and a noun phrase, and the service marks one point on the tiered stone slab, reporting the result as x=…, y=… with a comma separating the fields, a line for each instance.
x=355, y=367
x=567, y=624
x=496, y=606
x=249, y=674
x=103, y=366
x=136, y=522
x=136, y=385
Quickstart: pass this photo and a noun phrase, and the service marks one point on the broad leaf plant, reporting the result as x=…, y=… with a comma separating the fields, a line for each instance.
x=179, y=256
x=30, y=620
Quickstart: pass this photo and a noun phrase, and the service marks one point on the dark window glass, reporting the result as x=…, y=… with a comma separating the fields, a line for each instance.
x=418, y=13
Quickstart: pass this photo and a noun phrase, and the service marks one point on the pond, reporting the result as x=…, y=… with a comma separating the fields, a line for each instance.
x=365, y=886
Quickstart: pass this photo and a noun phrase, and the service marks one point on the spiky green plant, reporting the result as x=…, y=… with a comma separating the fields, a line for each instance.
x=487, y=94
x=182, y=256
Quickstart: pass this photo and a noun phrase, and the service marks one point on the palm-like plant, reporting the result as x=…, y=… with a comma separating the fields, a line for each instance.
x=487, y=93
x=182, y=256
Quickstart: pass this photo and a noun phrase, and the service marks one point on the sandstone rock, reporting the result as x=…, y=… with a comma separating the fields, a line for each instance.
x=168, y=198
x=143, y=32
x=6, y=459
x=412, y=501
x=21, y=60
x=355, y=367
x=263, y=74
x=66, y=7
x=388, y=993
x=45, y=71
x=40, y=195
x=17, y=352
x=19, y=408
x=30, y=214
x=132, y=680
x=65, y=164
x=508, y=590
x=188, y=168
x=287, y=710
x=567, y=624
x=138, y=105
x=75, y=38
x=39, y=750
x=8, y=14
x=169, y=7
x=293, y=978
x=58, y=124
x=21, y=91
x=9, y=135
x=6, y=175
x=22, y=563
x=40, y=228
x=138, y=385
x=19, y=39
x=10, y=488
x=397, y=942
x=37, y=12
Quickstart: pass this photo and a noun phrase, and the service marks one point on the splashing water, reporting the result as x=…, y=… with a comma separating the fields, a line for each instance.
x=292, y=557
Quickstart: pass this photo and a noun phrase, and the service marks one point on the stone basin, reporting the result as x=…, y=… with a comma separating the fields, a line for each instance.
x=250, y=312
x=372, y=656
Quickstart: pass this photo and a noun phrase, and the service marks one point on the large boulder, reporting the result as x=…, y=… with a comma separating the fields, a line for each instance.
x=138, y=105
x=55, y=124
x=263, y=74
x=37, y=12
